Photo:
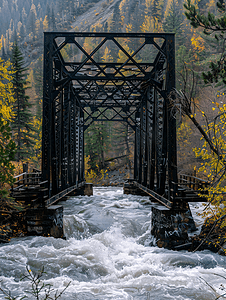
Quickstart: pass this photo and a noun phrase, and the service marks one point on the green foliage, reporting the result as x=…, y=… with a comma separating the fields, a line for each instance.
x=22, y=119
x=184, y=64
x=96, y=144
x=214, y=163
x=211, y=24
x=173, y=21
x=213, y=150
x=38, y=81
x=7, y=153
x=6, y=90
x=218, y=71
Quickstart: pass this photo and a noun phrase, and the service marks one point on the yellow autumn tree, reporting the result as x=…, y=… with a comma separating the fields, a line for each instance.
x=6, y=90
x=214, y=163
x=45, y=24
x=153, y=16
x=198, y=44
x=151, y=25
x=107, y=57
x=7, y=146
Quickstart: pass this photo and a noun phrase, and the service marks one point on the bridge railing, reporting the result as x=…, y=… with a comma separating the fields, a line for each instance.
x=193, y=182
x=29, y=187
x=26, y=179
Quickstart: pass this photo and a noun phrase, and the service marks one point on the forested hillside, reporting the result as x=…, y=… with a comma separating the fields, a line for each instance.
x=27, y=19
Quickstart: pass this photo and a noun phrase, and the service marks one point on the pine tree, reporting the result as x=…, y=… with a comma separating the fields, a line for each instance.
x=53, y=20
x=153, y=16
x=155, y=8
x=173, y=21
x=136, y=15
x=96, y=144
x=31, y=21
x=38, y=81
x=22, y=119
x=211, y=23
x=7, y=152
x=48, y=15
x=115, y=24
x=4, y=55
x=7, y=146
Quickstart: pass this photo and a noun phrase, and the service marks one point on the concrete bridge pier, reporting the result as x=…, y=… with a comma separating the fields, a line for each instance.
x=86, y=190
x=48, y=221
x=171, y=223
x=45, y=221
x=170, y=227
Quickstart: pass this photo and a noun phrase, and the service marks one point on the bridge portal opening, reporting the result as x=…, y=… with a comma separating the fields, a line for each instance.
x=101, y=78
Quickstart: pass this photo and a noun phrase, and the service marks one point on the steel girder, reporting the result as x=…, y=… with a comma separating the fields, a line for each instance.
x=95, y=86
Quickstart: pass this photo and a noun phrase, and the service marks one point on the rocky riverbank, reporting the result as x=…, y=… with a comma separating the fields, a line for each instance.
x=12, y=223
x=211, y=237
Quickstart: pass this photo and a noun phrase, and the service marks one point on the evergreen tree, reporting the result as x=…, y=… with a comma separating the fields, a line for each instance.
x=7, y=146
x=24, y=16
x=32, y=20
x=96, y=144
x=38, y=81
x=155, y=8
x=22, y=119
x=136, y=17
x=115, y=24
x=48, y=15
x=153, y=16
x=173, y=21
x=7, y=152
x=211, y=24
x=4, y=55
x=22, y=32
x=53, y=20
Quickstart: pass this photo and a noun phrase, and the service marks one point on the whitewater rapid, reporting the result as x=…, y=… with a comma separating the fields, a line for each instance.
x=109, y=254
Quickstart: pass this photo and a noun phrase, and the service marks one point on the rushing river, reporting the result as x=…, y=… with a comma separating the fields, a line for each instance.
x=107, y=255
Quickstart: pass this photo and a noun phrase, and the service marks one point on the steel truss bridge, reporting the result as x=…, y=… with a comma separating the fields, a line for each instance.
x=91, y=85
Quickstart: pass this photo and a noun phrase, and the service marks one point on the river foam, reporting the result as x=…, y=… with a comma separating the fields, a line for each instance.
x=107, y=255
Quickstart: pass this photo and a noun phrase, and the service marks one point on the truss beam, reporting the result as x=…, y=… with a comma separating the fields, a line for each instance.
x=123, y=77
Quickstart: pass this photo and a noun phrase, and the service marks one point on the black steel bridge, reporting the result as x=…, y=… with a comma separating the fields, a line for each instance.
x=89, y=86
x=134, y=90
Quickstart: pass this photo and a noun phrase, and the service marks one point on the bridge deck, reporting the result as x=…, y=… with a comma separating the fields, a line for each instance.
x=189, y=189
x=30, y=189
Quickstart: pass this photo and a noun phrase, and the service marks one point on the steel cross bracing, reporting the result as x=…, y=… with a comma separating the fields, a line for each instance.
x=124, y=77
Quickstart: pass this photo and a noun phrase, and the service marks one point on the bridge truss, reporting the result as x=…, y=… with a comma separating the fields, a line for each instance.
x=92, y=85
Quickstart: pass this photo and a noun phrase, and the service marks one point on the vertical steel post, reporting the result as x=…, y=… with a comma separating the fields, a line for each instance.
x=171, y=124
x=47, y=110
x=151, y=132
x=70, y=121
x=136, y=146
x=146, y=140
x=82, y=164
x=73, y=139
x=141, y=134
x=65, y=138
x=77, y=143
